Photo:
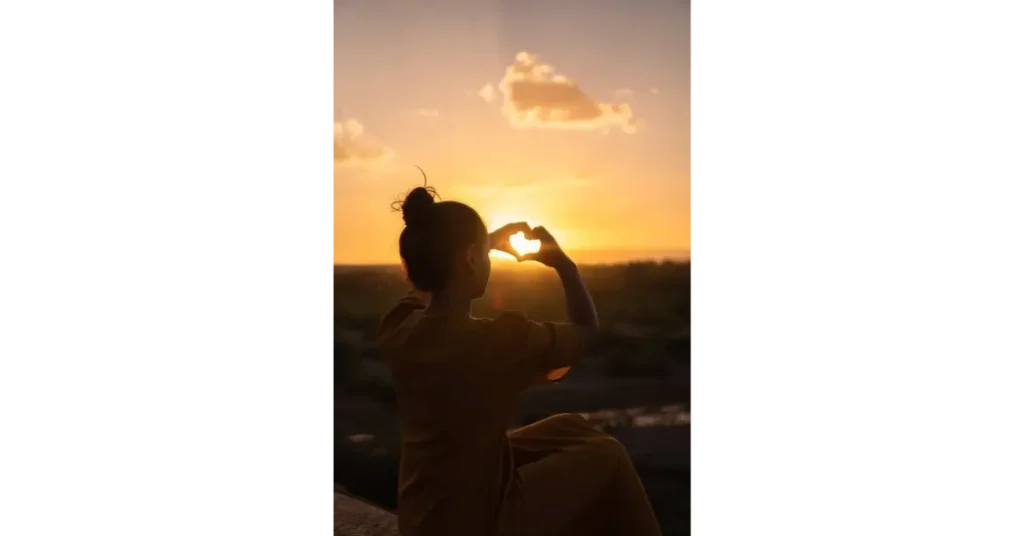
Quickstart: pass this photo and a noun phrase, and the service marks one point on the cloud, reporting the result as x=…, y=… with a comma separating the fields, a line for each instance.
x=487, y=93
x=428, y=112
x=623, y=94
x=352, y=149
x=655, y=90
x=536, y=97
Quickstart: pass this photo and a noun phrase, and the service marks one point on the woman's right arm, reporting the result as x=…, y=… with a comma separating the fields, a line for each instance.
x=544, y=352
x=579, y=305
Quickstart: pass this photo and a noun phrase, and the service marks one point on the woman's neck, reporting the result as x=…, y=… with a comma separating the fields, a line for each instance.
x=448, y=303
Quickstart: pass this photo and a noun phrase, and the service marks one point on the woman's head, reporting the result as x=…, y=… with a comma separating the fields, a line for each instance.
x=444, y=245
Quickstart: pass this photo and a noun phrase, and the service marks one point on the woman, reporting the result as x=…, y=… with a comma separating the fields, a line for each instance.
x=457, y=380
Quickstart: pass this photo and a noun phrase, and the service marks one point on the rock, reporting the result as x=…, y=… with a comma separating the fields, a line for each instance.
x=355, y=517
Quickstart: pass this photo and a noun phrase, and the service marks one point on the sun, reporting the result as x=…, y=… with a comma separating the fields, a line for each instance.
x=522, y=245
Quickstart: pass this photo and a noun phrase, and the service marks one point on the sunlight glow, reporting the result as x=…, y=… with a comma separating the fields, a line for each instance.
x=496, y=219
x=522, y=245
x=501, y=256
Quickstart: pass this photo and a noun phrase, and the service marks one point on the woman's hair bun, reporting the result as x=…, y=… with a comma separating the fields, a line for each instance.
x=417, y=206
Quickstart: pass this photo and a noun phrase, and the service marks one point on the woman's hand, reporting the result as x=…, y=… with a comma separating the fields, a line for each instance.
x=550, y=253
x=499, y=239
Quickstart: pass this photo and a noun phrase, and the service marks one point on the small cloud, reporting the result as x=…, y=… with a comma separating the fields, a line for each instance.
x=536, y=97
x=655, y=91
x=353, y=127
x=623, y=94
x=352, y=149
x=428, y=112
x=487, y=93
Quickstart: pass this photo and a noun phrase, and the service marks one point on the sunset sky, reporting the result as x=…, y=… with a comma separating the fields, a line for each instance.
x=570, y=114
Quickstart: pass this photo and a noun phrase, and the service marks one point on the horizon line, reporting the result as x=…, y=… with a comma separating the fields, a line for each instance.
x=679, y=260
x=678, y=255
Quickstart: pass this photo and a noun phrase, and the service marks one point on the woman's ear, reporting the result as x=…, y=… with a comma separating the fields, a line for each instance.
x=470, y=257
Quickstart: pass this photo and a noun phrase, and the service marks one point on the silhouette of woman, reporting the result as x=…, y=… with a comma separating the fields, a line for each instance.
x=457, y=380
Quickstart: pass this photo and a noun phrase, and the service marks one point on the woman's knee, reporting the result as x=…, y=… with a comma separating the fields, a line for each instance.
x=570, y=422
x=609, y=448
x=574, y=418
x=578, y=423
x=613, y=444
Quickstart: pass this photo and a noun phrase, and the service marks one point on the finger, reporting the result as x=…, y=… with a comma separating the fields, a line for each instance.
x=527, y=257
x=542, y=234
x=501, y=243
x=513, y=228
x=505, y=247
x=514, y=253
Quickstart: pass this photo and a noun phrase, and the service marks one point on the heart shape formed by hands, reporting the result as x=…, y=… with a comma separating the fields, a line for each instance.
x=500, y=238
x=524, y=245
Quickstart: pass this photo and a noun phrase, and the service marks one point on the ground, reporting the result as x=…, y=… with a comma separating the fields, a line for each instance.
x=354, y=517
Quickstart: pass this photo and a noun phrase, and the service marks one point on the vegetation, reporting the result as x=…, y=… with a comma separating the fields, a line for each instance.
x=644, y=310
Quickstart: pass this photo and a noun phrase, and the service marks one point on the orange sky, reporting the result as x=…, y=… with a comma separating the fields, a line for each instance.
x=573, y=116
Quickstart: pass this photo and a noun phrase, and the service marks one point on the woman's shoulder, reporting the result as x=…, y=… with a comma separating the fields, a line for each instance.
x=396, y=324
x=505, y=323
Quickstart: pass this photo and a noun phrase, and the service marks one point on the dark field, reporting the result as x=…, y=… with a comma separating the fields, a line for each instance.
x=635, y=383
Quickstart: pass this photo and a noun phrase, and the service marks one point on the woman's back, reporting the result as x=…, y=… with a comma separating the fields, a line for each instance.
x=456, y=381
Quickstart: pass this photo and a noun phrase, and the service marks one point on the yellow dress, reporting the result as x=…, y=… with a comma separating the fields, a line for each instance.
x=457, y=382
